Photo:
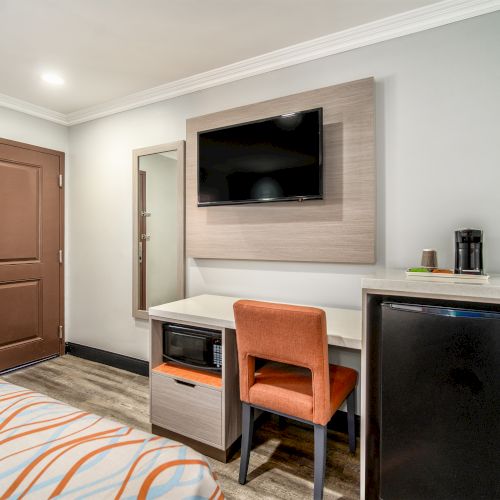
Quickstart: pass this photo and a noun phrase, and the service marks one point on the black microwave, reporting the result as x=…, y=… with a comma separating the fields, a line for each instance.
x=192, y=346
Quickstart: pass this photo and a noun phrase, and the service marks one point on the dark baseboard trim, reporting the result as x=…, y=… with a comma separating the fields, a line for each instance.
x=127, y=363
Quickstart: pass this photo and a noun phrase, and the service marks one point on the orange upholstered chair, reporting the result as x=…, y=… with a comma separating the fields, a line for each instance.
x=297, y=380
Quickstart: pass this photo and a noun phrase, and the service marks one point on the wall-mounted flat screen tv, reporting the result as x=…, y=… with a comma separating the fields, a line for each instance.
x=275, y=159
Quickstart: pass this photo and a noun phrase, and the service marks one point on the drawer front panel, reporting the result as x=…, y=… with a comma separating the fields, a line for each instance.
x=194, y=412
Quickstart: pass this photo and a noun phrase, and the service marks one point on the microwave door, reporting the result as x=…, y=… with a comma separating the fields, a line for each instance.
x=188, y=348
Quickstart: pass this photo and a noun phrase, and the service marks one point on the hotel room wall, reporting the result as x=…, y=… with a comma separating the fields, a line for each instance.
x=21, y=127
x=437, y=109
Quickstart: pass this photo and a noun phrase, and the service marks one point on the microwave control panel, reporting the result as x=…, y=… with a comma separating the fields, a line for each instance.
x=217, y=352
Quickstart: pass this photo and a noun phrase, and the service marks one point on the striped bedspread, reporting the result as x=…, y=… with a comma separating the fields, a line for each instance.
x=51, y=450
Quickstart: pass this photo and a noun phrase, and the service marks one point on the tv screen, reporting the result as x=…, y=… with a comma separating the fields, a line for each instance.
x=275, y=159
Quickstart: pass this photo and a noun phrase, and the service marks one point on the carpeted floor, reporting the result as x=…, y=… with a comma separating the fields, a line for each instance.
x=281, y=462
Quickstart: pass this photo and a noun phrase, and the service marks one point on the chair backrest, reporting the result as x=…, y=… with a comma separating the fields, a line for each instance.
x=295, y=335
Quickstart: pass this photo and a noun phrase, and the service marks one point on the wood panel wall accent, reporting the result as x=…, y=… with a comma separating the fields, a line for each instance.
x=339, y=228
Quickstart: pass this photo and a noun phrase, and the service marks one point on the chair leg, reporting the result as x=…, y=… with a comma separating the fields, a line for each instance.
x=320, y=435
x=246, y=439
x=351, y=424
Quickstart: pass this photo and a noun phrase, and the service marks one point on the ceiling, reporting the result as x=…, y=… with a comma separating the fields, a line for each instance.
x=107, y=49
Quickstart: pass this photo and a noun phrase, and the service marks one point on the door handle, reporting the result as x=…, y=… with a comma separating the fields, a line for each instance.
x=140, y=252
x=188, y=384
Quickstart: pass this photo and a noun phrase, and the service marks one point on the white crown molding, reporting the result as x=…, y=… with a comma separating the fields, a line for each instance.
x=406, y=23
x=32, y=109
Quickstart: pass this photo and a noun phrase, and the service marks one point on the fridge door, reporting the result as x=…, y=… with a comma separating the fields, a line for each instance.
x=440, y=406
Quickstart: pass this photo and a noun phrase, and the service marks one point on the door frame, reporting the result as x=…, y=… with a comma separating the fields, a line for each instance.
x=62, y=157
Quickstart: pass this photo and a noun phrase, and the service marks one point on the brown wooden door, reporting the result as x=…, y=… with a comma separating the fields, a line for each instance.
x=31, y=238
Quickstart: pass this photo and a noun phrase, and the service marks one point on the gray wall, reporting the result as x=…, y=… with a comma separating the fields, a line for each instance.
x=437, y=112
x=21, y=127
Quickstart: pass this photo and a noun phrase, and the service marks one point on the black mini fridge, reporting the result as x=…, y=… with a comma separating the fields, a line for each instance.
x=440, y=405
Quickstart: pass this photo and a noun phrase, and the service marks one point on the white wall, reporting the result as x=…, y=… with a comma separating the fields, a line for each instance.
x=31, y=130
x=437, y=115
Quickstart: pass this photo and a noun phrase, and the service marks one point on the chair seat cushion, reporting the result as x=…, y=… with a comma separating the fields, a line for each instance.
x=288, y=389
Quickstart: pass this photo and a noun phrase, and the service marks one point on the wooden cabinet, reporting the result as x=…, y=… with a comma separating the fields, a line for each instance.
x=186, y=408
x=199, y=408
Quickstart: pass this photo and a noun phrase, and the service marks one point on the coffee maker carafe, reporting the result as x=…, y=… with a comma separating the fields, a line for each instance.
x=469, y=251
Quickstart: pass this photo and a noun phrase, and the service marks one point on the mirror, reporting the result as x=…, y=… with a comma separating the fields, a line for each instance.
x=158, y=178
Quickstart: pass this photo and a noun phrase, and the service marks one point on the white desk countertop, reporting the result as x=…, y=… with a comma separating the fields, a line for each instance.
x=343, y=325
x=393, y=280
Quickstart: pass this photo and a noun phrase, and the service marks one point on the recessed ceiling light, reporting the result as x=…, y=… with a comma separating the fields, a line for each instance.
x=52, y=78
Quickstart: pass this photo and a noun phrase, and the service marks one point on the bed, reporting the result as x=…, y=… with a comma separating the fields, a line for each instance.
x=51, y=450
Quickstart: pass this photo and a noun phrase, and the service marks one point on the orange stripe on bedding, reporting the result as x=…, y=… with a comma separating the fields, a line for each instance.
x=25, y=407
x=35, y=431
x=143, y=492
x=35, y=422
x=41, y=457
x=37, y=477
x=16, y=394
x=52, y=440
x=214, y=494
x=18, y=401
x=67, y=478
x=136, y=462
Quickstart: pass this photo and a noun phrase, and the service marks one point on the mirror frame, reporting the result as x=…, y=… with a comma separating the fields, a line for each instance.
x=178, y=146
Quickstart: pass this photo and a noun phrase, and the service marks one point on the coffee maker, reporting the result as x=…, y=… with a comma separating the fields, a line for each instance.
x=469, y=251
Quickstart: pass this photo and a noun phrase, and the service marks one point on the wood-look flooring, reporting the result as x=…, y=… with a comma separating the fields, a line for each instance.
x=281, y=462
